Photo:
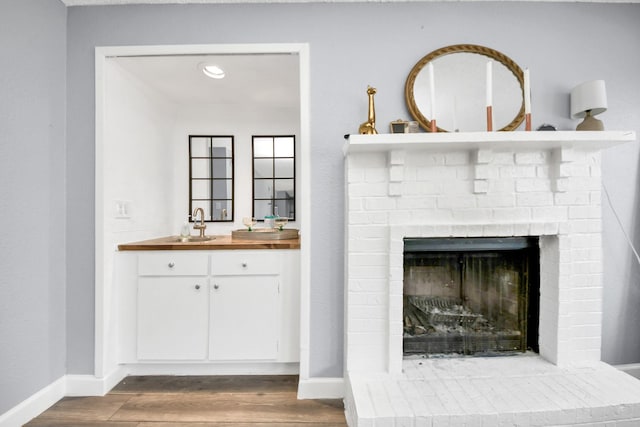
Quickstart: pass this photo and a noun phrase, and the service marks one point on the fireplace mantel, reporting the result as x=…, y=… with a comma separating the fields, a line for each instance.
x=516, y=141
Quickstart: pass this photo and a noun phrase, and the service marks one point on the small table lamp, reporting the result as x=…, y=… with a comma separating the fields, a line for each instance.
x=587, y=100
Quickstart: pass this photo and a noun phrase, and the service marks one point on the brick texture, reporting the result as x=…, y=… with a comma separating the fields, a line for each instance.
x=553, y=194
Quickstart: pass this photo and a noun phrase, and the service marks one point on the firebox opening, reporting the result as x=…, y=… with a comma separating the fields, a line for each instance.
x=471, y=296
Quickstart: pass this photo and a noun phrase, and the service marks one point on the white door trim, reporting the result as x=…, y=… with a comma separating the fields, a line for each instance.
x=104, y=355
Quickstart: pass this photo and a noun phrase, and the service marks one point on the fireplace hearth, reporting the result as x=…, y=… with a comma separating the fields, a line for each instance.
x=470, y=296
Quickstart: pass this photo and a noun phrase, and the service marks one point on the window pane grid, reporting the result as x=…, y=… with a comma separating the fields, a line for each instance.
x=211, y=157
x=273, y=176
x=211, y=172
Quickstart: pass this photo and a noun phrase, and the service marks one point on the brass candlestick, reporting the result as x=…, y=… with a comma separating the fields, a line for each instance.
x=369, y=127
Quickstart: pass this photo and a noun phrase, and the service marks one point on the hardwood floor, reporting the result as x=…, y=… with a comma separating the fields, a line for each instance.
x=196, y=401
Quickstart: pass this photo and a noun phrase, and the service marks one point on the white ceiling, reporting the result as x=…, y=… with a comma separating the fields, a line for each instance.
x=262, y=80
x=114, y=2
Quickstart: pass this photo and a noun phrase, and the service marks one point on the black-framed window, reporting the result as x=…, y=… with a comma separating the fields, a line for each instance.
x=211, y=172
x=274, y=176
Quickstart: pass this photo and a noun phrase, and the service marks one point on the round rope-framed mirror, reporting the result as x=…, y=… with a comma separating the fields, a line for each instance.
x=460, y=89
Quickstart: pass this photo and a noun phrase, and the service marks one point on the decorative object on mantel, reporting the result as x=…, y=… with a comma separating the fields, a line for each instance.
x=432, y=98
x=399, y=126
x=369, y=127
x=403, y=126
x=489, y=97
x=459, y=93
x=527, y=100
x=588, y=100
x=546, y=126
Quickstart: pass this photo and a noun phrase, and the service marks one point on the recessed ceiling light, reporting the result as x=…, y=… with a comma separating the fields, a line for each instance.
x=213, y=71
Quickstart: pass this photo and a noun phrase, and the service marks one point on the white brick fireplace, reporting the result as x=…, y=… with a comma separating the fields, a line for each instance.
x=543, y=184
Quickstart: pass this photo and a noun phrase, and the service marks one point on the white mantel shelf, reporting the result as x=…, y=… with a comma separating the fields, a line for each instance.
x=487, y=140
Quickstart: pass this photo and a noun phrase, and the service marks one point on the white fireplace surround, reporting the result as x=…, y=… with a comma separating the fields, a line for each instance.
x=480, y=184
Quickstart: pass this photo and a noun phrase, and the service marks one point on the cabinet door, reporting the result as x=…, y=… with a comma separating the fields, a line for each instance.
x=172, y=318
x=244, y=318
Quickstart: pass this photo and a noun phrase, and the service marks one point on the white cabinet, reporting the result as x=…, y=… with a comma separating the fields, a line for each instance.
x=172, y=300
x=244, y=318
x=213, y=306
x=245, y=305
x=170, y=318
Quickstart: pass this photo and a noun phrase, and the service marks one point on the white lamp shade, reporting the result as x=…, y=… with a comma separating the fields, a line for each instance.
x=587, y=96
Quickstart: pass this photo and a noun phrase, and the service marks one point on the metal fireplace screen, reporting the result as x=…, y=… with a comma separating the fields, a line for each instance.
x=470, y=296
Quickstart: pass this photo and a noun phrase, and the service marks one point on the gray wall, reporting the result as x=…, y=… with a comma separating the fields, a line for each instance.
x=32, y=132
x=352, y=45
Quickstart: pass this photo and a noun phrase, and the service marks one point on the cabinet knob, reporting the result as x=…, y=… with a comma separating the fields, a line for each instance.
x=215, y=286
x=197, y=286
x=244, y=264
x=172, y=264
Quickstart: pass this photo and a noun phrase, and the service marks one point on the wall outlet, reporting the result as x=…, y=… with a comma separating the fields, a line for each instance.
x=122, y=209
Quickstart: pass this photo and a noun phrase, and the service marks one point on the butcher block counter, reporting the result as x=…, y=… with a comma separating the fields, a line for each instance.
x=222, y=242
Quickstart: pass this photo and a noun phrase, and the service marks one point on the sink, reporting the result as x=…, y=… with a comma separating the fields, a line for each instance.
x=192, y=239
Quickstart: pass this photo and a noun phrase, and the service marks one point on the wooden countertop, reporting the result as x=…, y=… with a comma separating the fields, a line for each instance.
x=173, y=243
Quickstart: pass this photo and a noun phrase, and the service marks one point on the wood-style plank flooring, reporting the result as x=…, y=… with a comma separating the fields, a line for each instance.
x=196, y=401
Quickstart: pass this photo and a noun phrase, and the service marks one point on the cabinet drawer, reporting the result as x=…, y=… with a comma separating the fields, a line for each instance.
x=245, y=262
x=173, y=263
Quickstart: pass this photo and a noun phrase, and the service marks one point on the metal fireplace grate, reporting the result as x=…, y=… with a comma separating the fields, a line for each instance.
x=470, y=296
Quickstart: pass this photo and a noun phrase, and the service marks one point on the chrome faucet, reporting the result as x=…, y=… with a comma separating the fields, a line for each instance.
x=202, y=227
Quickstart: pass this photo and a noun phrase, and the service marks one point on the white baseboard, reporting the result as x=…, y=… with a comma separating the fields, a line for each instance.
x=89, y=385
x=321, y=388
x=68, y=385
x=256, y=368
x=34, y=405
x=632, y=369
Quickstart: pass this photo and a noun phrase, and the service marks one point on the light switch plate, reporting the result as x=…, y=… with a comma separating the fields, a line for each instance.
x=122, y=209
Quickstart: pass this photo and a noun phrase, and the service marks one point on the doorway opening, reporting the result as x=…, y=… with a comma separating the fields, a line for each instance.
x=143, y=219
